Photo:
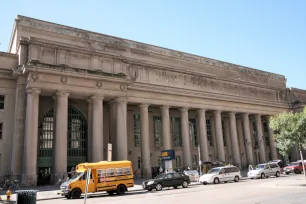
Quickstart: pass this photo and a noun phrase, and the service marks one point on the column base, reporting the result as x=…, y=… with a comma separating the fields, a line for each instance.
x=29, y=179
x=17, y=177
x=146, y=173
x=59, y=178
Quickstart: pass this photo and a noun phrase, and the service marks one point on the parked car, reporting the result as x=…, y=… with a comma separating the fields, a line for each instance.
x=280, y=164
x=221, y=174
x=264, y=171
x=294, y=167
x=167, y=180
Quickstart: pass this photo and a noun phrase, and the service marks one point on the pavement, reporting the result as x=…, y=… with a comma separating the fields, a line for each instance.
x=292, y=181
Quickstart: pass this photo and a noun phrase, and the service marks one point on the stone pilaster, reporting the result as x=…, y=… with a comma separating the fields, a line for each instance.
x=29, y=176
x=112, y=127
x=60, y=147
x=97, y=128
x=145, y=141
x=219, y=136
x=167, y=142
x=185, y=137
x=19, y=128
x=203, y=136
x=89, y=132
x=248, y=141
x=234, y=139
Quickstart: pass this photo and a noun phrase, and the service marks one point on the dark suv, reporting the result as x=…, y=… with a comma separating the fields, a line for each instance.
x=167, y=180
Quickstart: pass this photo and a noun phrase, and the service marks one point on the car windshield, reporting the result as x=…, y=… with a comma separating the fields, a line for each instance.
x=76, y=176
x=214, y=171
x=260, y=166
x=160, y=176
x=293, y=164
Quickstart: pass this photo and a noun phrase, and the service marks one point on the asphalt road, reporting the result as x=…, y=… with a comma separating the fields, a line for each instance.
x=244, y=192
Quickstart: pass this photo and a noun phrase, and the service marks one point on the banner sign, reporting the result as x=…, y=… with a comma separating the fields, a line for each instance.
x=168, y=154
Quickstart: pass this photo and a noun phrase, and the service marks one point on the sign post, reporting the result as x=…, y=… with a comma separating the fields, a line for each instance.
x=109, y=152
x=87, y=183
x=200, y=162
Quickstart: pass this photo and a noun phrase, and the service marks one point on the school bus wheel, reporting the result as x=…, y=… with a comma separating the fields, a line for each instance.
x=121, y=189
x=76, y=193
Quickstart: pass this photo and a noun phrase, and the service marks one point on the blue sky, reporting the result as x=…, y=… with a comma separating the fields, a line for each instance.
x=266, y=35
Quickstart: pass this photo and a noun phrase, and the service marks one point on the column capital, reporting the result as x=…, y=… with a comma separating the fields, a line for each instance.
x=118, y=100
x=232, y=113
x=165, y=107
x=96, y=97
x=34, y=91
x=144, y=105
x=62, y=94
x=245, y=114
x=201, y=111
x=184, y=109
x=217, y=111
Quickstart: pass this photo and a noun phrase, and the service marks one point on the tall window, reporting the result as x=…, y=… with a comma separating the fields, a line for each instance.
x=194, y=160
x=223, y=133
x=1, y=130
x=157, y=131
x=178, y=161
x=208, y=131
x=266, y=133
x=139, y=163
x=176, y=132
x=193, y=132
x=136, y=130
x=1, y=102
x=255, y=134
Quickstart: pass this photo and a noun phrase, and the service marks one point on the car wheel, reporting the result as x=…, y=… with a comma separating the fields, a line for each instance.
x=76, y=193
x=296, y=171
x=68, y=196
x=287, y=173
x=185, y=184
x=236, y=179
x=262, y=176
x=216, y=181
x=277, y=174
x=120, y=189
x=159, y=187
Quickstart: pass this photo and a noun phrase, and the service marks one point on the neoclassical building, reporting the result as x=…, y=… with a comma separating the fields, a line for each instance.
x=67, y=93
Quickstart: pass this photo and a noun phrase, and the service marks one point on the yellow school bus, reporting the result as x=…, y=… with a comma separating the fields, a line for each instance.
x=112, y=177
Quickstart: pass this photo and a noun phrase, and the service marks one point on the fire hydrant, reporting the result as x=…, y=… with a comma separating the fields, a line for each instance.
x=8, y=195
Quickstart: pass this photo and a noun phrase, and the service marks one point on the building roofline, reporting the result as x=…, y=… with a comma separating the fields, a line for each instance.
x=169, y=52
x=12, y=36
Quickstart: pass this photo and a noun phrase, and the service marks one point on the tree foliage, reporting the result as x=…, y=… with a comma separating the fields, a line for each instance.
x=289, y=129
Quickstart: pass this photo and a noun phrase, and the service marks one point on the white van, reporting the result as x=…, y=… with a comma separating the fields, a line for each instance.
x=264, y=171
x=221, y=174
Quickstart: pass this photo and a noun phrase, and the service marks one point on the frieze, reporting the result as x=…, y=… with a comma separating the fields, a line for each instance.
x=121, y=43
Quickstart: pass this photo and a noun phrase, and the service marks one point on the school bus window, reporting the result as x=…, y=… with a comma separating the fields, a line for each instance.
x=101, y=172
x=119, y=171
x=110, y=172
x=127, y=171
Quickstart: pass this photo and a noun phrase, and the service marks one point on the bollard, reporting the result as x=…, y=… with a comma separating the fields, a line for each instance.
x=26, y=197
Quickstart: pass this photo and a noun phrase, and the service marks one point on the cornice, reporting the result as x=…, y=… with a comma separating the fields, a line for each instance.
x=121, y=43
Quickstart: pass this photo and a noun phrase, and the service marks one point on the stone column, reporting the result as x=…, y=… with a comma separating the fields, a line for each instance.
x=97, y=128
x=112, y=127
x=185, y=137
x=60, y=160
x=234, y=140
x=145, y=141
x=29, y=176
x=167, y=142
x=121, y=130
x=89, y=131
x=248, y=141
x=19, y=128
x=261, y=139
x=271, y=140
x=219, y=136
x=203, y=136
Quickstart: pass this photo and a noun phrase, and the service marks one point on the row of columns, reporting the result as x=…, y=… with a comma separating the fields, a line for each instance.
x=118, y=120
x=167, y=144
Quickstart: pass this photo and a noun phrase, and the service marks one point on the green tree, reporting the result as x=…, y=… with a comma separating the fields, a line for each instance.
x=289, y=129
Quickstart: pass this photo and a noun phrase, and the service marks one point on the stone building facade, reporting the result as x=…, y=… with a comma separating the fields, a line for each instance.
x=66, y=93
